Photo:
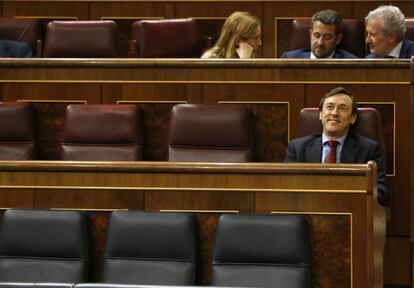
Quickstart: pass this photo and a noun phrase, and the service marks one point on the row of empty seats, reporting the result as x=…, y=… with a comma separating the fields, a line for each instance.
x=203, y=133
x=153, y=248
x=102, y=39
x=175, y=38
x=198, y=132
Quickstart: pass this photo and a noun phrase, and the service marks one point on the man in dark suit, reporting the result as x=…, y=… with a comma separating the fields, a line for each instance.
x=385, y=28
x=338, y=110
x=325, y=34
x=9, y=48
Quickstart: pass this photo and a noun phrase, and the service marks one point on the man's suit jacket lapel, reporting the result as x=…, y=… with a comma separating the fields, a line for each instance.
x=349, y=151
x=314, y=151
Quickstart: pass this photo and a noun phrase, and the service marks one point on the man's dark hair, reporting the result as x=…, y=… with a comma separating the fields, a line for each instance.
x=336, y=91
x=329, y=17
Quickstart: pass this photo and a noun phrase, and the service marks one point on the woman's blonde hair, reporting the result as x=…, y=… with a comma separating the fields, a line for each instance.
x=238, y=24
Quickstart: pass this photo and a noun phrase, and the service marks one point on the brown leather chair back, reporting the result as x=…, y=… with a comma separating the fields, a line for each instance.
x=17, y=131
x=23, y=30
x=353, y=40
x=102, y=133
x=409, y=34
x=368, y=124
x=170, y=38
x=210, y=133
x=82, y=39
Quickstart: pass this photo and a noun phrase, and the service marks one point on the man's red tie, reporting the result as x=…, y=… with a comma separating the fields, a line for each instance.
x=331, y=157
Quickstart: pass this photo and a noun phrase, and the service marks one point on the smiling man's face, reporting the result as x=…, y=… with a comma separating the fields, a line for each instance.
x=336, y=115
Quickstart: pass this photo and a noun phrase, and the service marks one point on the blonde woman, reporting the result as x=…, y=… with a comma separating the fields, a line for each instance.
x=240, y=37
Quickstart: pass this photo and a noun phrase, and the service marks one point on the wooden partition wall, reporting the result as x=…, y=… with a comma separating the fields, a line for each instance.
x=276, y=90
x=346, y=225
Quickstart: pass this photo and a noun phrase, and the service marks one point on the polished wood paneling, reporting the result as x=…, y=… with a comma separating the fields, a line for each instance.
x=131, y=10
x=270, y=147
x=322, y=238
x=85, y=199
x=346, y=224
x=47, y=9
x=49, y=119
x=204, y=71
x=361, y=8
x=330, y=236
x=98, y=223
x=206, y=231
x=397, y=264
x=200, y=201
x=17, y=198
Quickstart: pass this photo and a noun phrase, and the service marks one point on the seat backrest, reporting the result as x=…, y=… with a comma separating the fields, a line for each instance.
x=409, y=33
x=43, y=246
x=168, y=38
x=102, y=133
x=22, y=30
x=150, y=248
x=17, y=131
x=368, y=124
x=353, y=40
x=261, y=251
x=210, y=133
x=82, y=39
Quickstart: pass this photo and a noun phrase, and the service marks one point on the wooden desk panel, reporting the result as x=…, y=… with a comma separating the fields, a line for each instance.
x=346, y=224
